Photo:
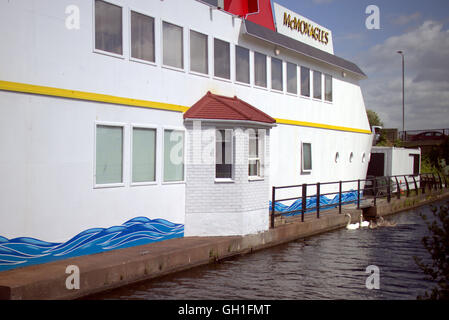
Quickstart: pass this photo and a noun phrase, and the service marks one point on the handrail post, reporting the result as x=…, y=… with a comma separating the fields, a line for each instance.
x=416, y=185
x=318, y=187
x=398, y=187
x=273, y=206
x=389, y=190
x=434, y=182
x=304, y=201
x=375, y=191
x=441, y=182
x=423, y=184
x=340, y=186
x=358, y=194
x=407, y=186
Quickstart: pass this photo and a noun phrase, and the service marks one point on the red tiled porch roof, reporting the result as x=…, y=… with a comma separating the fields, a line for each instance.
x=215, y=107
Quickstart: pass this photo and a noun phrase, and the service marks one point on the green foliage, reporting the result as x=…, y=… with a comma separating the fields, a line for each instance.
x=437, y=244
x=373, y=118
x=428, y=166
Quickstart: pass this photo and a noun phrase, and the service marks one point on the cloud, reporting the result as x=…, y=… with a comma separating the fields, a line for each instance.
x=426, y=50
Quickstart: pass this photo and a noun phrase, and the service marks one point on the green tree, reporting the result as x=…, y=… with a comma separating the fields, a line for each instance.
x=373, y=118
x=437, y=244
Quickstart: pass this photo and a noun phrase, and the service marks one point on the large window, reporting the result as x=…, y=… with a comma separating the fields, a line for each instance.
x=328, y=88
x=109, y=155
x=108, y=27
x=317, y=94
x=276, y=74
x=306, y=157
x=241, y=64
x=223, y=154
x=144, y=155
x=260, y=69
x=199, y=61
x=173, y=47
x=142, y=37
x=255, y=152
x=222, y=59
x=173, y=155
x=292, y=78
x=305, y=81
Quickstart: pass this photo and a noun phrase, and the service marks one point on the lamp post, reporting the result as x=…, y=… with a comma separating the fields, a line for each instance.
x=403, y=94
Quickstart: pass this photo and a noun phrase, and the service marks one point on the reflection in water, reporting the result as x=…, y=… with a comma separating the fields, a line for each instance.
x=328, y=266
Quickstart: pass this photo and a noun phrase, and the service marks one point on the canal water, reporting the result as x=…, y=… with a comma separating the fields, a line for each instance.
x=328, y=266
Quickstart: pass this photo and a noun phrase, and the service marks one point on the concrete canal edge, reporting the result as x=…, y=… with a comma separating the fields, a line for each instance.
x=109, y=270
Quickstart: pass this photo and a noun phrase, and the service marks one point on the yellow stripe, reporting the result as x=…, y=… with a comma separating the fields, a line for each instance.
x=87, y=96
x=321, y=126
x=80, y=95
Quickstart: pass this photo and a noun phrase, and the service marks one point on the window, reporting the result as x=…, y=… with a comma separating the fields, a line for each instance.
x=108, y=27
x=317, y=85
x=144, y=155
x=328, y=88
x=276, y=74
x=260, y=69
x=306, y=157
x=173, y=45
x=255, y=152
x=241, y=64
x=109, y=155
x=305, y=81
x=199, y=61
x=142, y=37
x=223, y=154
x=173, y=155
x=292, y=78
x=222, y=59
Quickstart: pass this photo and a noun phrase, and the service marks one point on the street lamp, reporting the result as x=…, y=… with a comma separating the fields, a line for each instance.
x=403, y=93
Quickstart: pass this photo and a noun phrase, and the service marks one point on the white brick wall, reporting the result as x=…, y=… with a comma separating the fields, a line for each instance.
x=224, y=208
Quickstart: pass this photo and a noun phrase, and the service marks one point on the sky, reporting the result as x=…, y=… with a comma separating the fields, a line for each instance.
x=418, y=28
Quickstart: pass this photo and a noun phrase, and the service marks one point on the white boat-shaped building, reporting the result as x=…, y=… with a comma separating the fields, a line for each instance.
x=165, y=118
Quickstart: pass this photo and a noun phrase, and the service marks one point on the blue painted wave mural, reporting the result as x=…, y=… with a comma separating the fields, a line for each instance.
x=346, y=198
x=20, y=252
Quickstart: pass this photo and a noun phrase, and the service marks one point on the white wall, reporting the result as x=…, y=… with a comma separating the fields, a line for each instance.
x=47, y=169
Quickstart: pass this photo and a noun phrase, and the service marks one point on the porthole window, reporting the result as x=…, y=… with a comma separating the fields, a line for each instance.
x=337, y=157
x=351, y=157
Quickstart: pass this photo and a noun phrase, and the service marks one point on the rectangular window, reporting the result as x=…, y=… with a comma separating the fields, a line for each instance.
x=173, y=155
x=142, y=37
x=255, y=153
x=276, y=74
x=223, y=154
x=306, y=157
x=109, y=155
x=241, y=64
x=108, y=27
x=173, y=47
x=222, y=59
x=305, y=81
x=292, y=78
x=144, y=155
x=317, y=85
x=260, y=69
x=199, y=60
x=328, y=88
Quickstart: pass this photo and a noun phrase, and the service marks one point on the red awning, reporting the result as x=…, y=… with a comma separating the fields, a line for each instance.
x=215, y=107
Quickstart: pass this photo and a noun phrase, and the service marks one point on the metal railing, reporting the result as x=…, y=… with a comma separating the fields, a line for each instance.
x=374, y=188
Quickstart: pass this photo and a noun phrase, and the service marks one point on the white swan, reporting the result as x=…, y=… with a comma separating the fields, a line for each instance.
x=363, y=224
x=352, y=226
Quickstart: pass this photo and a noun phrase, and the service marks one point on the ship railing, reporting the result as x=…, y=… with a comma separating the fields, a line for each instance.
x=308, y=199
